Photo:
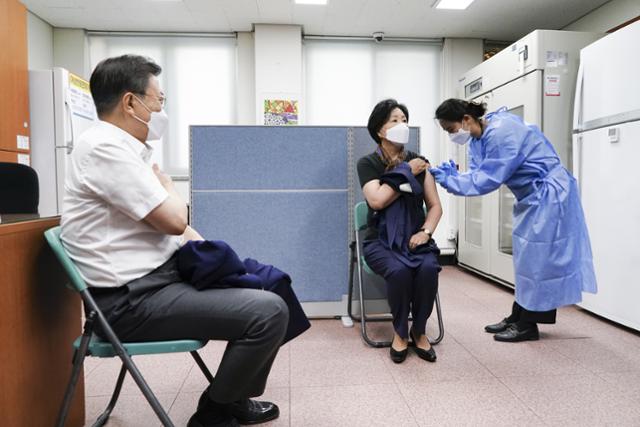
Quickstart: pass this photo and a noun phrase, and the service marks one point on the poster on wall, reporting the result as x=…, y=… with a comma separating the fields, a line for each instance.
x=280, y=112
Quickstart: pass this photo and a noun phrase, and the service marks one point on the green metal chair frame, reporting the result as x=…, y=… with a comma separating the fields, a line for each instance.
x=357, y=260
x=88, y=344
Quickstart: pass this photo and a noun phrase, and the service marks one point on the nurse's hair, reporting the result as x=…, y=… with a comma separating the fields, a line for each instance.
x=380, y=115
x=453, y=110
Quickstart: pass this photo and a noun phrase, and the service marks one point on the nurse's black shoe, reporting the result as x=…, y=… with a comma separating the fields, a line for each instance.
x=501, y=326
x=517, y=333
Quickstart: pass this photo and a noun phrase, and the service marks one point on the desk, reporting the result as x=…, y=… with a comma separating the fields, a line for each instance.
x=39, y=319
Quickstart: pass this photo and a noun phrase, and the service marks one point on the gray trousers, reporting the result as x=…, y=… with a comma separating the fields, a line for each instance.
x=159, y=306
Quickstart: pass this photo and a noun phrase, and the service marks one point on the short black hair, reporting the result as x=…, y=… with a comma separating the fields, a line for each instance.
x=453, y=110
x=380, y=115
x=115, y=76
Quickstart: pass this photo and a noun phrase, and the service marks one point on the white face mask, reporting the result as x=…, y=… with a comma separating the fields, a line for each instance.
x=398, y=134
x=461, y=137
x=157, y=123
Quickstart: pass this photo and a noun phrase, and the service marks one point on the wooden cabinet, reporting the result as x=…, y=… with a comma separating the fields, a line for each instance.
x=14, y=76
x=39, y=319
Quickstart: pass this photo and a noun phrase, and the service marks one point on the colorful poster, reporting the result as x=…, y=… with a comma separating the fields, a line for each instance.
x=280, y=112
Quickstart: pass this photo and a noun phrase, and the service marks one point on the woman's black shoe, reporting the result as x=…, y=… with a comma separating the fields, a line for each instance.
x=428, y=355
x=398, y=356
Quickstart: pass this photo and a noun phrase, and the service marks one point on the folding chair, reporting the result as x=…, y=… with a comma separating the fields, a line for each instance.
x=357, y=260
x=88, y=344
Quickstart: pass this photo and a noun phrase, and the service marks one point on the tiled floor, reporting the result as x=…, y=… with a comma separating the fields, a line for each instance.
x=584, y=371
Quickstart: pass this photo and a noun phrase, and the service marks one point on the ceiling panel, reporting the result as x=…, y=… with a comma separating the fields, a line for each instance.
x=491, y=19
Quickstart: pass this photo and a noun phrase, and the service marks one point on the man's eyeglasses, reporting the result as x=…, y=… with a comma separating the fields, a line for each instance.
x=161, y=99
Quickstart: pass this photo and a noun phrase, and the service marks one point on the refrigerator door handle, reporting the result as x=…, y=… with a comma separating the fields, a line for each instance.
x=577, y=100
x=69, y=143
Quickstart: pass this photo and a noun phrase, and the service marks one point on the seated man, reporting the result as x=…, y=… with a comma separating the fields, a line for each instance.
x=123, y=225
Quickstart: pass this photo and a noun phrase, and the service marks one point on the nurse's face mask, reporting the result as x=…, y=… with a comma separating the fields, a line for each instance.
x=462, y=136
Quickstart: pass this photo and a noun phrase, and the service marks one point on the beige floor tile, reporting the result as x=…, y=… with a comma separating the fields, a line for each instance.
x=130, y=411
x=354, y=406
x=467, y=402
x=575, y=400
x=600, y=355
x=522, y=359
x=332, y=364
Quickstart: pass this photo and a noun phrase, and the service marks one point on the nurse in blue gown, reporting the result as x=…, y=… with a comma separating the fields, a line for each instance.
x=551, y=249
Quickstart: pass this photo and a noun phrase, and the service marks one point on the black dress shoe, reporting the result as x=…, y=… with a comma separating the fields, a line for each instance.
x=248, y=411
x=398, y=356
x=501, y=326
x=211, y=414
x=428, y=355
x=514, y=334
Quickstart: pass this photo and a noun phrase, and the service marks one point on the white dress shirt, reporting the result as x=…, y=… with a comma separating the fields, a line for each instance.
x=109, y=188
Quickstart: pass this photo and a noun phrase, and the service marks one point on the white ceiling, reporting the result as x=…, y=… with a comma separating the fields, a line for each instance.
x=488, y=19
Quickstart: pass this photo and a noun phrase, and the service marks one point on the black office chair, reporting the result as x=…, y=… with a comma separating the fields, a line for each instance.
x=18, y=189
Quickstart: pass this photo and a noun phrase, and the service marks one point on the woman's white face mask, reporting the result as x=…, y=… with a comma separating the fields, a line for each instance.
x=398, y=134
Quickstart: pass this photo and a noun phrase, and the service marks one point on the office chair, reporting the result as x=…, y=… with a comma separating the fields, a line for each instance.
x=18, y=189
x=358, y=263
x=89, y=344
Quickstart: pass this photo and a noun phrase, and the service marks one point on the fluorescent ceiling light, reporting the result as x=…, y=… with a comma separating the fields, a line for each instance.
x=318, y=2
x=453, y=4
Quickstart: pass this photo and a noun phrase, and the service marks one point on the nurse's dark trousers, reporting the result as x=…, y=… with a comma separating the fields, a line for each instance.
x=408, y=289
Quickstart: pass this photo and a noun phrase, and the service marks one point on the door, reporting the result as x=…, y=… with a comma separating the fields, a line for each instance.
x=608, y=174
x=473, y=220
x=522, y=97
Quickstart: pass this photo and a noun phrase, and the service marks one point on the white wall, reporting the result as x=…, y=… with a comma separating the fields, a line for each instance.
x=39, y=43
x=607, y=16
x=278, y=65
x=245, y=80
x=71, y=51
x=458, y=56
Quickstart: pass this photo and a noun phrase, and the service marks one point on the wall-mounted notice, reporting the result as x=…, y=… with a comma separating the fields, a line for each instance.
x=552, y=85
x=24, y=159
x=280, y=112
x=22, y=141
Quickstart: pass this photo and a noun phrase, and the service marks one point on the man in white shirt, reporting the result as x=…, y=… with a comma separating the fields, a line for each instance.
x=123, y=222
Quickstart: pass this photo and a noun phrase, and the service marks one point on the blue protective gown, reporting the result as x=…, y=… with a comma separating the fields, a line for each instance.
x=551, y=249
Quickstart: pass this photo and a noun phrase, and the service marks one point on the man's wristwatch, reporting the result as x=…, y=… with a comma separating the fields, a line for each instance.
x=426, y=230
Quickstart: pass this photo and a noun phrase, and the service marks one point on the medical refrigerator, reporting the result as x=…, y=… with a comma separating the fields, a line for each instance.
x=61, y=108
x=535, y=79
x=606, y=159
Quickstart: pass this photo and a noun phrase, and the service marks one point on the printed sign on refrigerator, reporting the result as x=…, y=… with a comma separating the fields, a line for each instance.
x=79, y=99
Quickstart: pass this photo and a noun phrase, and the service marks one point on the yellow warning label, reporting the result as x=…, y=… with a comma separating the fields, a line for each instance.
x=79, y=83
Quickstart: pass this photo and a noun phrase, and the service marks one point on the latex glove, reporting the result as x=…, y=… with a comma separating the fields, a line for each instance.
x=439, y=174
x=454, y=168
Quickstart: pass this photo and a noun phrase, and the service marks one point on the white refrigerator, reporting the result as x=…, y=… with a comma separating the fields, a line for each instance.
x=61, y=109
x=606, y=145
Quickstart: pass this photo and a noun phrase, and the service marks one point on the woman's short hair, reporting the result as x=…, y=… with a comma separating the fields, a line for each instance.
x=380, y=115
x=453, y=110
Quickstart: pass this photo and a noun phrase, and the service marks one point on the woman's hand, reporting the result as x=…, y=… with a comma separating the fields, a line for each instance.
x=418, y=239
x=417, y=166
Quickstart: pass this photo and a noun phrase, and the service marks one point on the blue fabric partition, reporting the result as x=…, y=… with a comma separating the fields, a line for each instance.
x=282, y=195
